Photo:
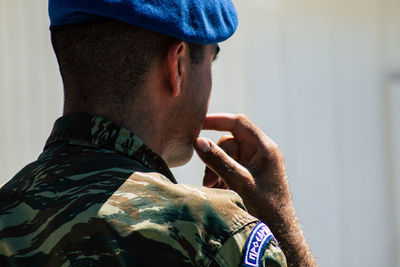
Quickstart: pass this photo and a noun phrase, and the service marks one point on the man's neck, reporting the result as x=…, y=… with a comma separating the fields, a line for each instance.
x=142, y=124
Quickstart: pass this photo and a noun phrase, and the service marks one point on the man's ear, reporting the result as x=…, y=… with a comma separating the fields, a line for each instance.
x=176, y=57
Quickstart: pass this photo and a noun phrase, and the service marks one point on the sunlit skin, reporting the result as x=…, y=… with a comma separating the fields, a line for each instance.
x=251, y=164
x=248, y=162
x=191, y=105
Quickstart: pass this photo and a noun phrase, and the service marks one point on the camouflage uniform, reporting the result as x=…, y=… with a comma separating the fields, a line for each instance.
x=98, y=196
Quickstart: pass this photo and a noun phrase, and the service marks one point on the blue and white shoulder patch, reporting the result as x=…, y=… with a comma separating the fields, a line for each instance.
x=256, y=244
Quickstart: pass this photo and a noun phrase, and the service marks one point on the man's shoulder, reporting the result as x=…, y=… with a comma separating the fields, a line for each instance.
x=152, y=194
x=183, y=217
x=213, y=223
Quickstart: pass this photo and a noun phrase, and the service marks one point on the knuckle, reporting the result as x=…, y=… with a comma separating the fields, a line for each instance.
x=274, y=154
x=274, y=148
x=241, y=117
x=242, y=122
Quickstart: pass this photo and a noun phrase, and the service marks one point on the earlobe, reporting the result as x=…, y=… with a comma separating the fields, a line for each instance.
x=176, y=66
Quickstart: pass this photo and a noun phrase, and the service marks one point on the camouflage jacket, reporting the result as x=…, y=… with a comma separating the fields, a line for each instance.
x=98, y=196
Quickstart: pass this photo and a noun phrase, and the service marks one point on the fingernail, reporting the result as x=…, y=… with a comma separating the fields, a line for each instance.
x=203, y=144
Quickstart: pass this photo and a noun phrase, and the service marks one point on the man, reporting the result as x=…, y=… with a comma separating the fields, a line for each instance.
x=137, y=82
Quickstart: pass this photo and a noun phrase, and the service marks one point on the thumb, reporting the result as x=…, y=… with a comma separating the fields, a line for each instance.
x=233, y=174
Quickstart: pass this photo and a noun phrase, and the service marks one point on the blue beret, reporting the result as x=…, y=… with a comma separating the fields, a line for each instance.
x=196, y=21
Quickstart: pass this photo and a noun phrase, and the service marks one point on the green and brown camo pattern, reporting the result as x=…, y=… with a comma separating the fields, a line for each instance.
x=97, y=196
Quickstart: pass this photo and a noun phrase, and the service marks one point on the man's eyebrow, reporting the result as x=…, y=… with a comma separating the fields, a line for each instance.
x=217, y=49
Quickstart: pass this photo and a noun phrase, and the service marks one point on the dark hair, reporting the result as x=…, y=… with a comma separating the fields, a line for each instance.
x=110, y=56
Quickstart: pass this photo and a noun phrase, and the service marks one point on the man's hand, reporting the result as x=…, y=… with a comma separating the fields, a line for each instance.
x=252, y=165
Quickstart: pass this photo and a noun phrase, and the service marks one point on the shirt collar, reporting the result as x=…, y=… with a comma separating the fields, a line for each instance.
x=86, y=129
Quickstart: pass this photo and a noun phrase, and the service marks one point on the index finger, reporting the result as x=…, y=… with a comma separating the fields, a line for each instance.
x=239, y=125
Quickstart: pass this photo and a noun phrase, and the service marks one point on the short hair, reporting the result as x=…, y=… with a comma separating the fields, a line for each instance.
x=110, y=56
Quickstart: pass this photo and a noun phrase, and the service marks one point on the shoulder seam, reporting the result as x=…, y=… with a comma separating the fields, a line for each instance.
x=233, y=233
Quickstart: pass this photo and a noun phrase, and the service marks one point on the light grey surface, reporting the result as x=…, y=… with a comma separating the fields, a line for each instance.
x=30, y=86
x=393, y=124
x=313, y=74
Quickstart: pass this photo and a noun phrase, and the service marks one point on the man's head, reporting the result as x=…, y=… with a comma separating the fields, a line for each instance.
x=155, y=84
x=106, y=62
x=189, y=96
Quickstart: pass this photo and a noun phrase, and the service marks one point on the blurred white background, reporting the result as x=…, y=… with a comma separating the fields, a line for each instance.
x=320, y=77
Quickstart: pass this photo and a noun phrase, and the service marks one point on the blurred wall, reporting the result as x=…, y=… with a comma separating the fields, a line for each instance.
x=319, y=77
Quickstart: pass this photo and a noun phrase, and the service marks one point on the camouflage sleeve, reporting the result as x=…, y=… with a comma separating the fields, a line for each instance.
x=233, y=251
